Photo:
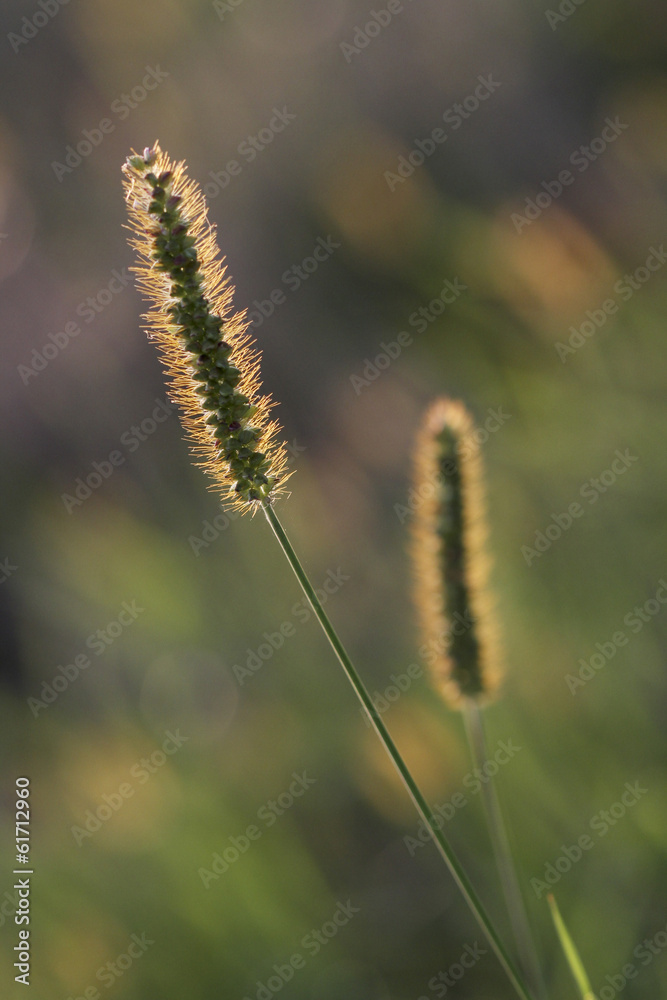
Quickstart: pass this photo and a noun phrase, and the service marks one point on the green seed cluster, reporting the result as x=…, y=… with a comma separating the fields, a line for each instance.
x=464, y=646
x=230, y=412
x=451, y=563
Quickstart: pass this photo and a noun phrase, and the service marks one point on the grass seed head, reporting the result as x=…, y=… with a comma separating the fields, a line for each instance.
x=209, y=357
x=450, y=557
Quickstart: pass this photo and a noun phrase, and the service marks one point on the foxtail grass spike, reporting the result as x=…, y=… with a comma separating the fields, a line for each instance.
x=208, y=354
x=451, y=566
x=450, y=558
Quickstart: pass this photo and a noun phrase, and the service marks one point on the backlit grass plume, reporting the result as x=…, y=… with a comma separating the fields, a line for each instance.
x=451, y=566
x=450, y=557
x=208, y=354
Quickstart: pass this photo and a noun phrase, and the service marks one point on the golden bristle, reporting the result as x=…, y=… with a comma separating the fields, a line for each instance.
x=180, y=272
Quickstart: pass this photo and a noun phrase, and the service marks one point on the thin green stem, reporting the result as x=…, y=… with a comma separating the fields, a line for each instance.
x=418, y=799
x=502, y=851
x=571, y=952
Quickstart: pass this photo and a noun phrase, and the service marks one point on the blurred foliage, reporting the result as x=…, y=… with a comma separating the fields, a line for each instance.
x=229, y=67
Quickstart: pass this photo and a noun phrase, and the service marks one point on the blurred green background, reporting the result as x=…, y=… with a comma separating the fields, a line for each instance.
x=317, y=112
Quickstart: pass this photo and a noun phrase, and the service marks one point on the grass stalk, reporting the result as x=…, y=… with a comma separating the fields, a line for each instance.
x=571, y=952
x=418, y=799
x=525, y=943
